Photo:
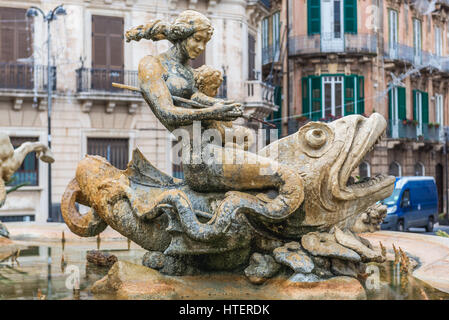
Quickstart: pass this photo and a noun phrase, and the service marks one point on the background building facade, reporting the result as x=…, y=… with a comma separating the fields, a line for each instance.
x=358, y=57
x=89, y=116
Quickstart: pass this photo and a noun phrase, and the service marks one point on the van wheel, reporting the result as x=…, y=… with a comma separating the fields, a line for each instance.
x=400, y=226
x=429, y=226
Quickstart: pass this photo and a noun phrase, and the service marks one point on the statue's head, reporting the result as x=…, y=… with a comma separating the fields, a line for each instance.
x=208, y=80
x=196, y=31
x=6, y=148
x=191, y=30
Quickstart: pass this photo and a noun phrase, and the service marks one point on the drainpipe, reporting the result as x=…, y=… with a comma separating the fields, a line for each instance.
x=447, y=177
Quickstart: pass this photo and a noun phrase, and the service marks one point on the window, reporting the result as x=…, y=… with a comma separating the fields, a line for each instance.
x=397, y=109
x=438, y=42
x=265, y=32
x=115, y=150
x=332, y=95
x=419, y=169
x=405, y=201
x=393, y=33
x=107, y=52
x=395, y=169
x=417, y=41
x=15, y=43
x=29, y=170
x=364, y=170
x=276, y=35
x=251, y=57
x=439, y=115
x=420, y=109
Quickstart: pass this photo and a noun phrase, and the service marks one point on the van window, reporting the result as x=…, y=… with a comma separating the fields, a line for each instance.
x=405, y=198
x=393, y=199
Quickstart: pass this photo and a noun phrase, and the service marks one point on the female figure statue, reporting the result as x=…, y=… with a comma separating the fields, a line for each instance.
x=168, y=75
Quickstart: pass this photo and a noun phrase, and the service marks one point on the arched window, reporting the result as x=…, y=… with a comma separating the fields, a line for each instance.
x=364, y=170
x=420, y=170
x=395, y=169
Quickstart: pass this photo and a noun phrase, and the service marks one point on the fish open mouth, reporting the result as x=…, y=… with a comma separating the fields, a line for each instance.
x=367, y=133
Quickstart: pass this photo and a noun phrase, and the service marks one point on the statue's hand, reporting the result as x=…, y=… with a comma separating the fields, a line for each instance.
x=228, y=112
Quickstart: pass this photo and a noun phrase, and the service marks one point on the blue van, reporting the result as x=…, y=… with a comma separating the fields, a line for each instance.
x=413, y=203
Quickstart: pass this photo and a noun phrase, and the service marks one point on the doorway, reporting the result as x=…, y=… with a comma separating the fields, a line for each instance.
x=332, y=35
x=332, y=96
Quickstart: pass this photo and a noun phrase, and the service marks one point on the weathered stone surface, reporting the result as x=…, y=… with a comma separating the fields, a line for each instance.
x=261, y=268
x=3, y=231
x=101, y=259
x=129, y=281
x=210, y=221
x=344, y=268
x=9, y=248
x=301, y=277
x=292, y=256
x=11, y=159
x=371, y=219
x=322, y=267
x=320, y=244
x=154, y=260
x=267, y=245
x=349, y=241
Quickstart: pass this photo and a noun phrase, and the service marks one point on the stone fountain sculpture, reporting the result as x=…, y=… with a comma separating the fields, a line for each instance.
x=288, y=209
x=11, y=160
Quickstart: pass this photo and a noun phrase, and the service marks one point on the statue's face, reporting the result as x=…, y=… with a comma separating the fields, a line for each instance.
x=196, y=43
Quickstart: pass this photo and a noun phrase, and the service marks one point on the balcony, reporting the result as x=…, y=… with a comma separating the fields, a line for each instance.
x=403, y=53
x=24, y=77
x=259, y=98
x=270, y=54
x=408, y=131
x=100, y=80
x=353, y=43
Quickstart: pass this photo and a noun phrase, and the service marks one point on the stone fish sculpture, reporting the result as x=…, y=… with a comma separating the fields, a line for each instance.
x=11, y=160
x=227, y=215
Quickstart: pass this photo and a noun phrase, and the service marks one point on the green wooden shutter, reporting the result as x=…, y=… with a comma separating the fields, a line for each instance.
x=305, y=97
x=350, y=16
x=360, y=95
x=402, y=103
x=313, y=17
x=349, y=94
x=425, y=107
x=316, y=111
x=415, y=96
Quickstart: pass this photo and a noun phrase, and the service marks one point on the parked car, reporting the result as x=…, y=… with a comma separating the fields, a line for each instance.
x=413, y=203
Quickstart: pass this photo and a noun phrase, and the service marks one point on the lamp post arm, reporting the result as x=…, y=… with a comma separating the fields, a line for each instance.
x=40, y=10
x=52, y=14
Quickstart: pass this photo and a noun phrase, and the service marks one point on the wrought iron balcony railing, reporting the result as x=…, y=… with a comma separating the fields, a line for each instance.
x=270, y=54
x=409, y=131
x=351, y=43
x=100, y=80
x=16, y=76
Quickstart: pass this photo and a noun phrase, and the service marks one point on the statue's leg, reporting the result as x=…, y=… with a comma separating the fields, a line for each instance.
x=240, y=171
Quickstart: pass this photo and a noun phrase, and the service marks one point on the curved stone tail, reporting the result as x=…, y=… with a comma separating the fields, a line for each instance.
x=87, y=225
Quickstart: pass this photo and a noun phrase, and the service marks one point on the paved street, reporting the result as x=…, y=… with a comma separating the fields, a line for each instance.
x=436, y=228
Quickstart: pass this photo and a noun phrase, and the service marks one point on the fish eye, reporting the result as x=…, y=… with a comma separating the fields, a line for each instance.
x=316, y=138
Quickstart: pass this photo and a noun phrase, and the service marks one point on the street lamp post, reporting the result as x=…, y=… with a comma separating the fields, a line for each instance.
x=48, y=18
